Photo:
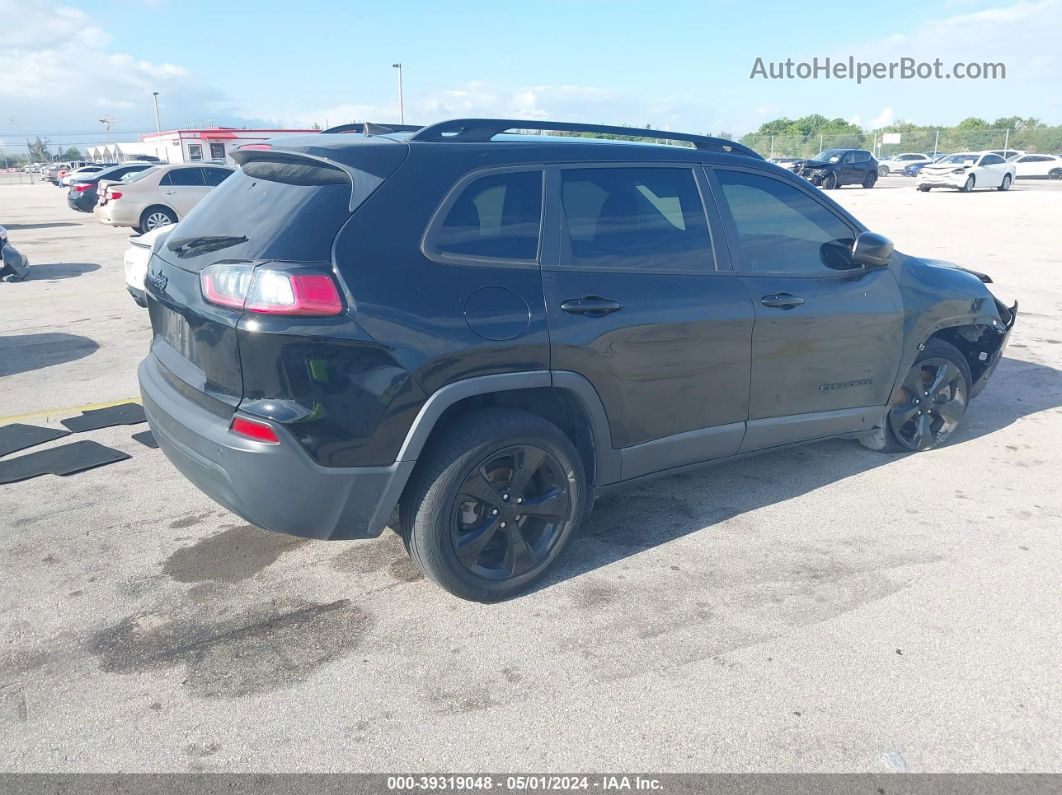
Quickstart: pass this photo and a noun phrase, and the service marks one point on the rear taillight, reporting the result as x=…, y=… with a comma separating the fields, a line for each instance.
x=82, y=188
x=258, y=431
x=259, y=147
x=270, y=291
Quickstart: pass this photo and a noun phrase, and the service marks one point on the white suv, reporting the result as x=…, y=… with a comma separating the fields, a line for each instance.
x=157, y=196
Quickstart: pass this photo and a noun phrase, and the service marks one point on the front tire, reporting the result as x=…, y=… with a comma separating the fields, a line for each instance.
x=924, y=188
x=1005, y=184
x=883, y=171
x=493, y=503
x=931, y=403
x=968, y=186
x=1055, y=173
x=830, y=182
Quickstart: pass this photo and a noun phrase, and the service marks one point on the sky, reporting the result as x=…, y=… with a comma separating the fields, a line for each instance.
x=676, y=65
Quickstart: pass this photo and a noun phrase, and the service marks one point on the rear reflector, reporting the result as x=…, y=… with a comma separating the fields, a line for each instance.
x=258, y=431
x=113, y=194
x=270, y=290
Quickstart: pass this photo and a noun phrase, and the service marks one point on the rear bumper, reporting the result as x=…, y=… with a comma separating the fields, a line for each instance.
x=274, y=486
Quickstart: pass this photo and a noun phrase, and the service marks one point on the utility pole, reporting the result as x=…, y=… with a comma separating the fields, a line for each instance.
x=1006, y=143
x=401, y=99
x=155, y=98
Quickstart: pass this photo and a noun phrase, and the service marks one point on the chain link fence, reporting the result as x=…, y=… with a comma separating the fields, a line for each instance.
x=929, y=141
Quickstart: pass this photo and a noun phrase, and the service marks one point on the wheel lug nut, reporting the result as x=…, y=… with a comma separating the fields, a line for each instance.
x=519, y=500
x=503, y=524
x=505, y=497
x=494, y=512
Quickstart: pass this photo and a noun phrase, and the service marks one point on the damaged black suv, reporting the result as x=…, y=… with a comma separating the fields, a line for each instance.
x=489, y=330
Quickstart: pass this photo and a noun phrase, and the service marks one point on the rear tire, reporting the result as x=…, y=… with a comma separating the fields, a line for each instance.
x=1055, y=173
x=869, y=180
x=927, y=411
x=1005, y=185
x=493, y=503
x=154, y=217
x=883, y=171
x=924, y=188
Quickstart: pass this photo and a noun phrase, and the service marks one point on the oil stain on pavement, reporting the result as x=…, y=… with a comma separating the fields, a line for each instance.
x=259, y=650
x=230, y=556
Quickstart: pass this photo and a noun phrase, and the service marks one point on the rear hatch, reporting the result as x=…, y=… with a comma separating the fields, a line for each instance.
x=281, y=207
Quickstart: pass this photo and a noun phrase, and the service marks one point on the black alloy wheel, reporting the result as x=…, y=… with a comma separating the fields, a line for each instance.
x=493, y=502
x=932, y=404
x=509, y=512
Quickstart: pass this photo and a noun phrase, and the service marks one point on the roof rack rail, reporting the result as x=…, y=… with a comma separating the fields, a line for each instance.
x=481, y=130
x=368, y=128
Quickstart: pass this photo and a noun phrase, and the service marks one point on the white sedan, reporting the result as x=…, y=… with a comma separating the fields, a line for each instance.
x=1038, y=166
x=899, y=162
x=84, y=171
x=966, y=171
x=136, y=260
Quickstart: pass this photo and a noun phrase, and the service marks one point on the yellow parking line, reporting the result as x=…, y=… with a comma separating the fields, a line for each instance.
x=65, y=412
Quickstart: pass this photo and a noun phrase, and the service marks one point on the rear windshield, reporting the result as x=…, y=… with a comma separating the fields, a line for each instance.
x=266, y=210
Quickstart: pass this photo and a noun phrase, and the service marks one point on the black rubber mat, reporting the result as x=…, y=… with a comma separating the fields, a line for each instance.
x=145, y=438
x=17, y=436
x=122, y=414
x=66, y=459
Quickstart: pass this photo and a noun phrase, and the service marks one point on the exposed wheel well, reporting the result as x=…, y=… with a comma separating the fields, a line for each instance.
x=977, y=344
x=559, y=406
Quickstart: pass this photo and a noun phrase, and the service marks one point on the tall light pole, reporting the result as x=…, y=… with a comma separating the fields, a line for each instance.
x=155, y=99
x=401, y=100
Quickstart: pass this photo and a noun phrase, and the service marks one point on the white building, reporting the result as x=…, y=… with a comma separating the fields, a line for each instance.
x=184, y=146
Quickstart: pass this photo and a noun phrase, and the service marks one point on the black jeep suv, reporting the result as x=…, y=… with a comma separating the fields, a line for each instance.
x=836, y=167
x=489, y=330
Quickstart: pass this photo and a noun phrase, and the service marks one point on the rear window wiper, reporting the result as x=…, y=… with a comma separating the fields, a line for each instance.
x=189, y=246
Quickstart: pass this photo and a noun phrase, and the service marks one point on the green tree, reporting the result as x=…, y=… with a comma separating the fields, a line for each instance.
x=38, y=150
x=972, y=123
x=71, y=153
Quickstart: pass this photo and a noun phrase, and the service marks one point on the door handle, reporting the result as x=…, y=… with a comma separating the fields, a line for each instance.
x=781, y=301
x=591, y=305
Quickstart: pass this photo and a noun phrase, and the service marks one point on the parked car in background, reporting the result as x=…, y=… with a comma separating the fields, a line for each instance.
x=788, y=163
x=83, y=194
x=157, y=196
x=493, y=356
x=84, y=171
x=1041, y=166
x=913, y=169
x=967, y=171
x=836, y=167
x=136, y=260
x=1007, y=154
x=897, y=163
x=55, y=172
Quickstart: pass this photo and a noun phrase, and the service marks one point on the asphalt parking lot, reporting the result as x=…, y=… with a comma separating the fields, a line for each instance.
x=820, y=609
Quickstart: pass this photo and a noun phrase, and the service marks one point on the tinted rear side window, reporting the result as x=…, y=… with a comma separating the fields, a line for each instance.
x=635, y=219
x=496, y=216
x=215, y=176
x=184, y=176
x=283, y=210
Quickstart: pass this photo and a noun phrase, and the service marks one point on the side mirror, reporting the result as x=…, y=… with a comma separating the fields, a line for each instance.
x=871, y=249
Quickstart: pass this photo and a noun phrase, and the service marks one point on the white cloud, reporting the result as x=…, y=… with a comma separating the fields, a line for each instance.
x=60, y=72
x=883, y=119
